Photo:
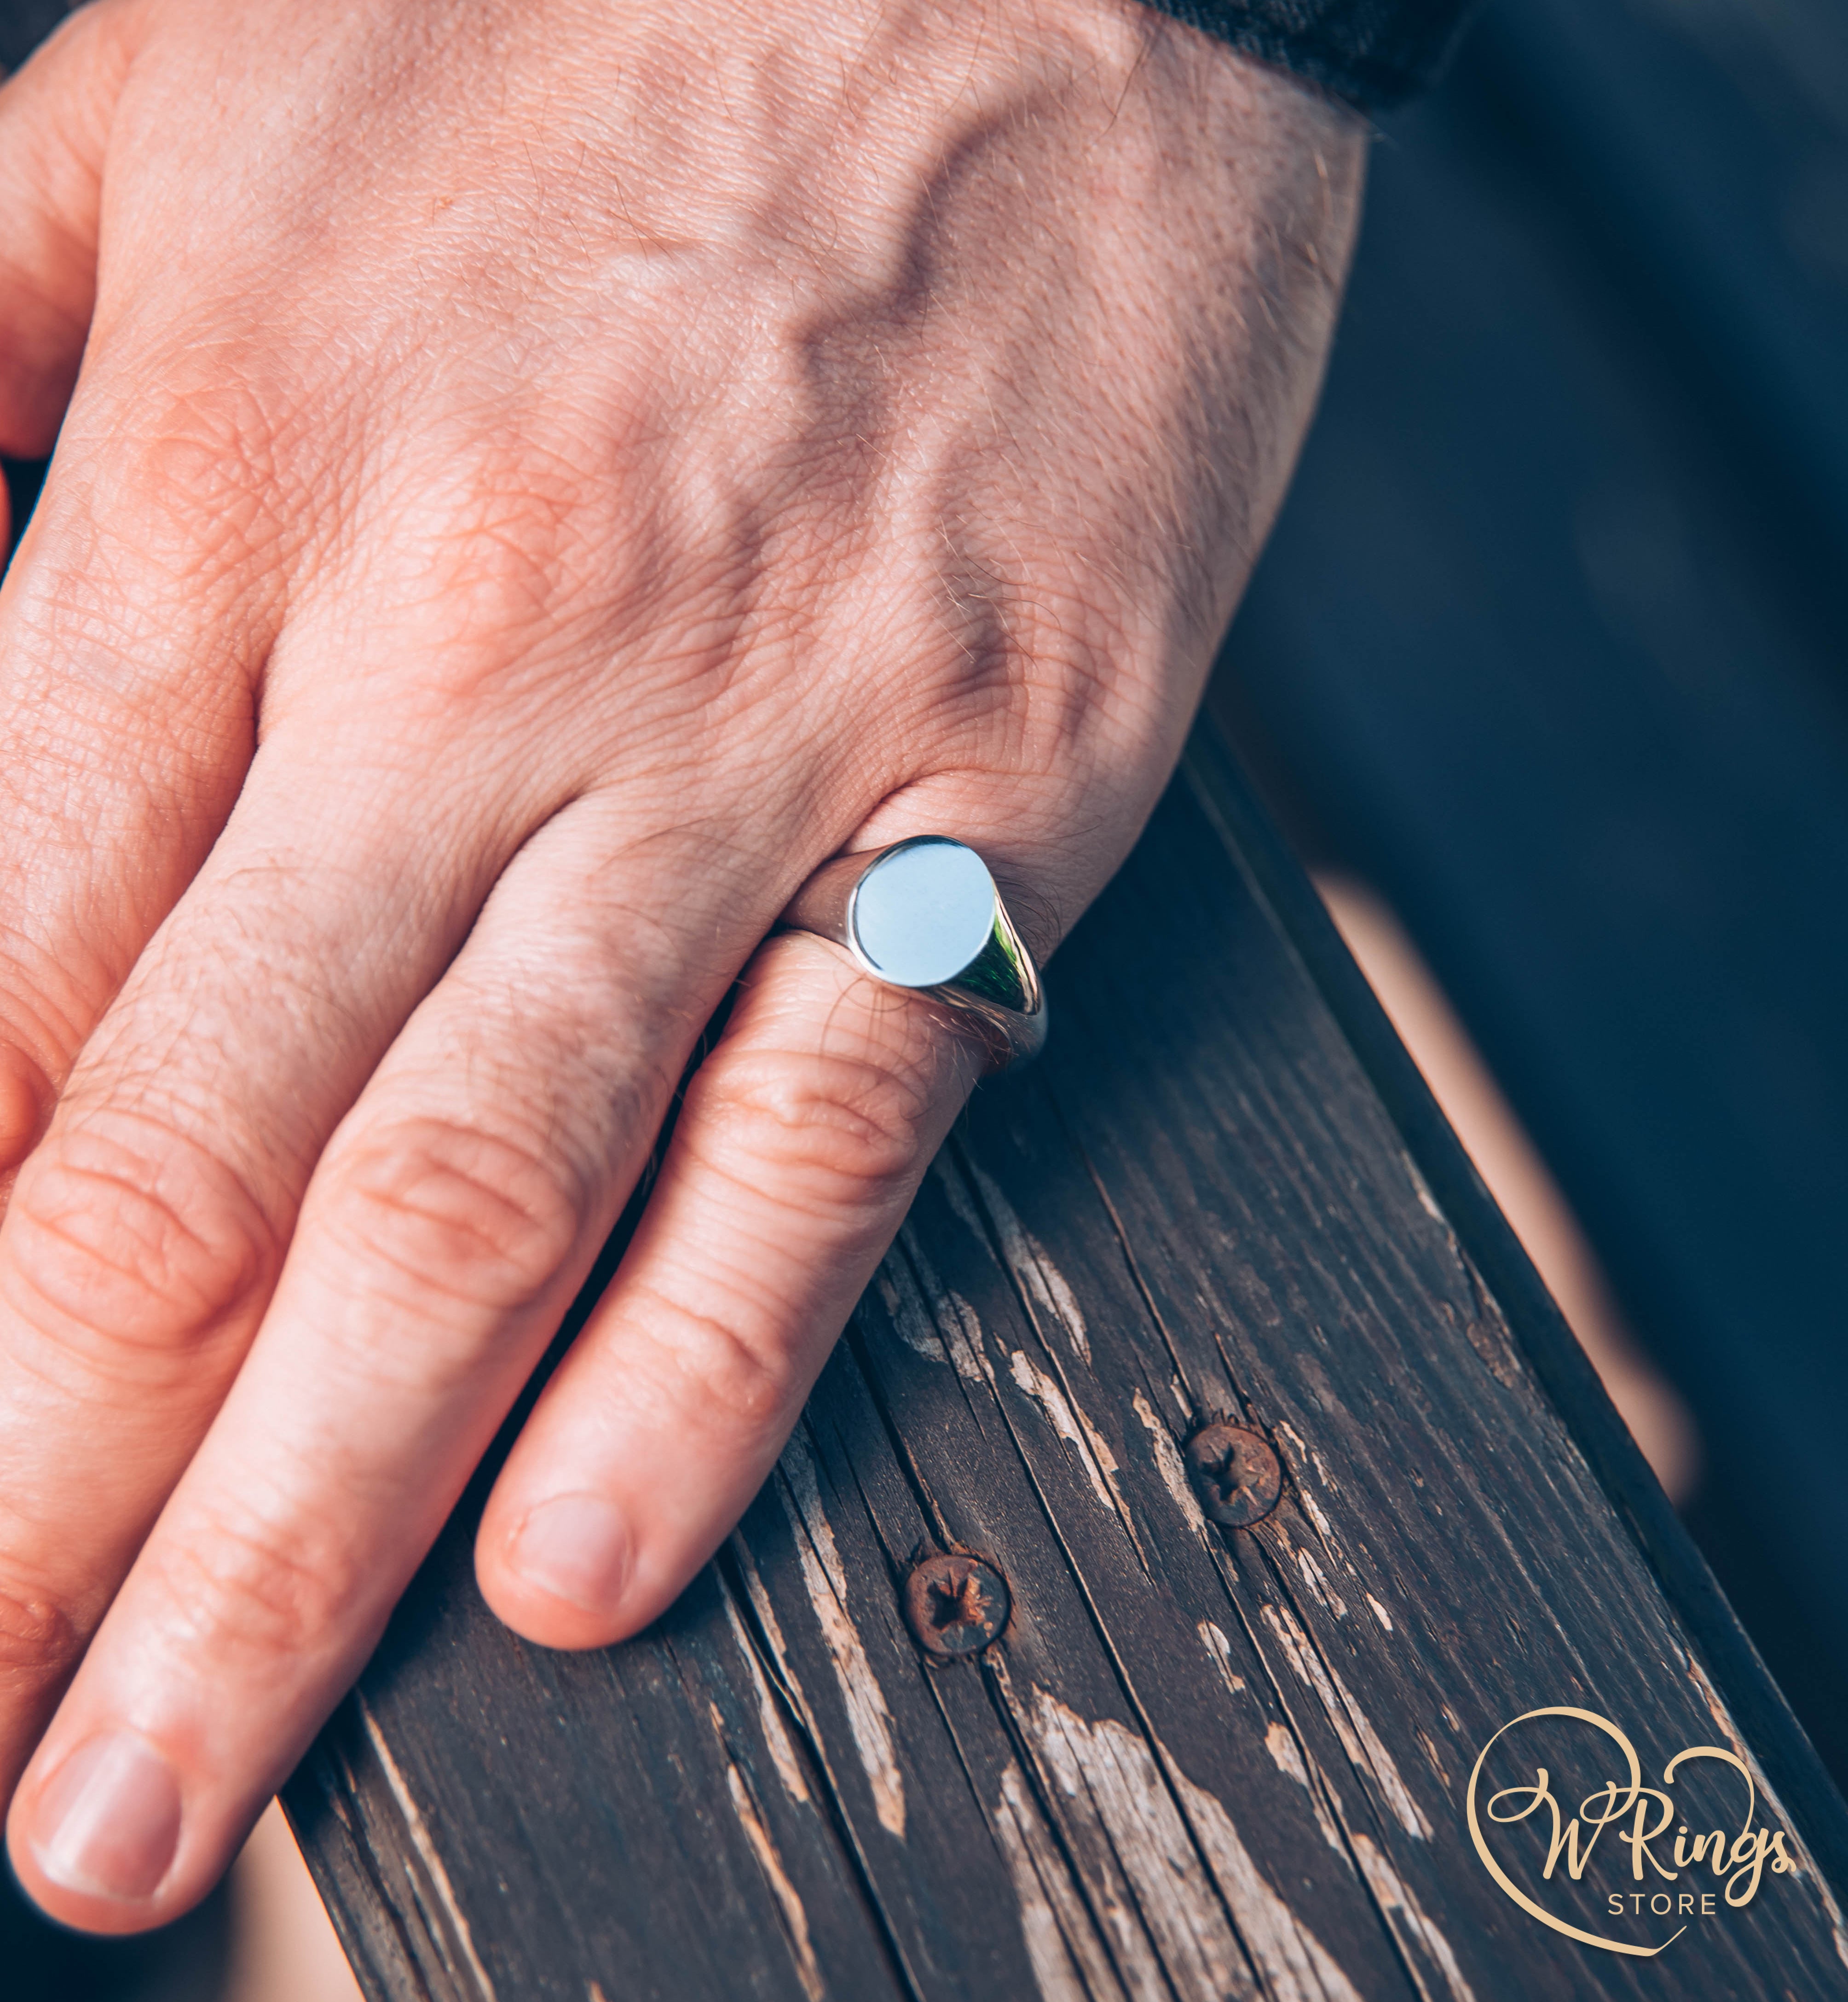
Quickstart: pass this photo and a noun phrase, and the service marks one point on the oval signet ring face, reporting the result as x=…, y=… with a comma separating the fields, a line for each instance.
x=925, y=914
x=922, y=913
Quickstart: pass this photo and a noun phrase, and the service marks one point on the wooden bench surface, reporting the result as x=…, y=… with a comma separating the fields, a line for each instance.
x=1202, y=1762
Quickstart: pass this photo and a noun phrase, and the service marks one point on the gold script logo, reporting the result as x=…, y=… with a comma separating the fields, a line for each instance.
x=1686, y=1878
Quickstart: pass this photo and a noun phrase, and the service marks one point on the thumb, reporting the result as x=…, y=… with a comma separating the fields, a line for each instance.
x=54, y=120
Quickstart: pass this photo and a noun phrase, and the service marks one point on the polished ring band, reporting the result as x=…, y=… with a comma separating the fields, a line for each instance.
x=925, y=914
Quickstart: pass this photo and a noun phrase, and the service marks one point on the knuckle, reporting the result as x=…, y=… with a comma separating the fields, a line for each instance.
x=458, y=1210
x=130, y=1240
x=27, y=1094
x=204, y=461
x=494, y=561
x=40, y=1640
x=252, y=1592
x=826, y=1133
x=499, y=552
x=703, y=1369
x=206, y=442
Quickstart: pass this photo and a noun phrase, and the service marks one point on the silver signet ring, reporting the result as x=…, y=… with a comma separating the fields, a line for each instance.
x=925, y=914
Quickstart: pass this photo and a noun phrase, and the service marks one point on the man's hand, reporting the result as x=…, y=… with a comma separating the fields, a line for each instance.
x=536, y=478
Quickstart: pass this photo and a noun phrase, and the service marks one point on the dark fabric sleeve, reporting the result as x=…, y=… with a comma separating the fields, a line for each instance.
x=1374, y=53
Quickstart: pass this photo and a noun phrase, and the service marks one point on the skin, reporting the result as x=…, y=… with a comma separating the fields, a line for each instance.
x=536, y=478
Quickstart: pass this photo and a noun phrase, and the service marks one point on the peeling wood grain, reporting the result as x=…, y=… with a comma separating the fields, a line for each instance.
x=1219, y=1649
x=1435, y=1758
x=1316, y=1579
x=1292, y=1960
x=943, y=1328
x=1313, y=1509
x=1361, y=1742
x=795, y=1919
x=1716, y=1709
x=783, y=1752
x=1287, y=1756
x=1071, y=1424
x=1026, y=1258
x=452, y=1931
x=1172, y=1466
x=1195, y=1888
x=1302, y=1458
x=1060, y=1936
x=1398, y=1904
x=1166, y=1922
x=826, y=1578
x=778, y=1664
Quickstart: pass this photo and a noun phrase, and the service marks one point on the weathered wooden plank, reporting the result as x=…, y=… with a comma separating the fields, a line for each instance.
x=1001, y=1459
x=471, y=1847
x=1202, y=1762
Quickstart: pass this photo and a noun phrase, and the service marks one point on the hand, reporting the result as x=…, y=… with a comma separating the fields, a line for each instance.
x=538, y=478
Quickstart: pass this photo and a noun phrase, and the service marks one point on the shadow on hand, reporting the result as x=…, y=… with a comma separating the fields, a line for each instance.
x=24, y=478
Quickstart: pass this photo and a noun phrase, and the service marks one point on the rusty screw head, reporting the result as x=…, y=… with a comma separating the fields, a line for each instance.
x=956, y=1605
x=1236, y=1472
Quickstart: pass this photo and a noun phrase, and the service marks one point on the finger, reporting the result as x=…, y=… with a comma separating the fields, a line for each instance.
x=145, y=1234
x=54, y=120
x=129, y=661
x=449, y=1222
x=802, y=1141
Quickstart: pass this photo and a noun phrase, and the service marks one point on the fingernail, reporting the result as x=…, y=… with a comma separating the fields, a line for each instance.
x=111, y=1812
x=575, y=1546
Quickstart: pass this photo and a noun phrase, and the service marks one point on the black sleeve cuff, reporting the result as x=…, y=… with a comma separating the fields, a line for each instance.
x=1374, y=53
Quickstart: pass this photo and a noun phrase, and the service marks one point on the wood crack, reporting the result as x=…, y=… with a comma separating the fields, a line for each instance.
x=757, y=1622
